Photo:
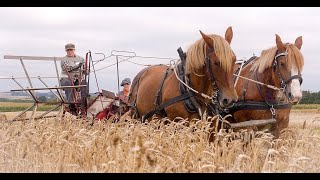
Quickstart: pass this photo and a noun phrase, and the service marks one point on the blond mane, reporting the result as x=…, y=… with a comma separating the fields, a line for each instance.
x=294, y=59
x=196, y=54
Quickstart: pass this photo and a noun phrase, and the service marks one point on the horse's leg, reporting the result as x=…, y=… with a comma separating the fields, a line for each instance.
x=282, y=121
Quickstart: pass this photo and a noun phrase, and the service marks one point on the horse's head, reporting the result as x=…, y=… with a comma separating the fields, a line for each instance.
x=287, y=66
x=219, y=63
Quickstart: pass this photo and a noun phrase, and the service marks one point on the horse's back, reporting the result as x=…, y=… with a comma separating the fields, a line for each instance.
x=152, y=72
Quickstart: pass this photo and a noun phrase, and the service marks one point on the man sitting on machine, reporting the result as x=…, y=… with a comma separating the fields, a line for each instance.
x=71, y=74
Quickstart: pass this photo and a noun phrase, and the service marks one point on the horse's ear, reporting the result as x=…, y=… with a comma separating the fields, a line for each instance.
x=298, y=42
x=279, y=43
x=229, y=35
x=207, y=39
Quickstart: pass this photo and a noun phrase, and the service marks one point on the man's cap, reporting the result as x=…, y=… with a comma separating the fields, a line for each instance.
x=70, y=46
x=126, y=81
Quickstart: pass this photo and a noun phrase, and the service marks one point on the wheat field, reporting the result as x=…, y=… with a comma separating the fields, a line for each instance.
x=73, y=145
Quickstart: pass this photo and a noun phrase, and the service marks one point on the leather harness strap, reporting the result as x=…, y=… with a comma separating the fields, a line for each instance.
x=188, y=97
x=136, y=83
x=244, y=65
x=166, y=104
x=185, y=97
x=159, y=95
x=257, y=105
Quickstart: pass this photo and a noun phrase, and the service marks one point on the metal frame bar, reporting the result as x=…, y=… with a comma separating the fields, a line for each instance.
x=47, y=112
x=60, y=114
x=61, y=96
x=33, y=96
x=61, y=87
x=30, y=91
x=43, y=58
x=21, y=87
x=58, y=77
x=35, y=105
x=235, y=83
x=63, y=101
x=118, y=81
x=25, y=71
x=34, y=111
x=34, y=118
x=252, y=123
x=23, y=77
x=47, y=87
x=20, y=114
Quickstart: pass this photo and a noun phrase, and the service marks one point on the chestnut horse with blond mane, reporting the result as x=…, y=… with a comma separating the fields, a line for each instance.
x=207, y=75
x=280, y=67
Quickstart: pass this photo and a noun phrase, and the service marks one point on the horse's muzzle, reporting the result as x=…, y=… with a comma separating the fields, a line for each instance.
x=226, y=103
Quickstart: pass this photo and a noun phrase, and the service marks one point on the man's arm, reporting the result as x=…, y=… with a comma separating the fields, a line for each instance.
x=67, y=67
x=77, y=66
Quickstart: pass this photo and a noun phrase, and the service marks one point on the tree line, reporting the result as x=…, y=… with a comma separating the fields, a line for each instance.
x=309, y=97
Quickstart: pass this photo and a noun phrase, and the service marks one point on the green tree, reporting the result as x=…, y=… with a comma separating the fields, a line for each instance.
x=42, y=99
x=310, y=97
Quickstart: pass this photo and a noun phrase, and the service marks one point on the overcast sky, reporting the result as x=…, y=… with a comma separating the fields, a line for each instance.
x=147, y=32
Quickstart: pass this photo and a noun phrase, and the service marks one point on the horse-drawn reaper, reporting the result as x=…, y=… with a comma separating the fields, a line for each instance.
x=104, y=105
x=206, y=80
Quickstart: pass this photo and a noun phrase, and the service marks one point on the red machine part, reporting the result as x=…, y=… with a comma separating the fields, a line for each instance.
x=106, y=113
x=101, y=115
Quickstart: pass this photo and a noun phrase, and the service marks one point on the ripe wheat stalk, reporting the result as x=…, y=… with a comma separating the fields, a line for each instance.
x=73, y=145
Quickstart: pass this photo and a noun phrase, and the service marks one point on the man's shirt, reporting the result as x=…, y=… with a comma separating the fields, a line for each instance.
x=72, y=65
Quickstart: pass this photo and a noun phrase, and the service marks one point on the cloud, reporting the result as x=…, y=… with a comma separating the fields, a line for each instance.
x=149, y=32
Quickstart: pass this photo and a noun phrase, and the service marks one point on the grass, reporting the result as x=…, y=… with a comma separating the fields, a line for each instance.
x=306, y=106
x=15, y=100
x=18, y=106
x=15, y=104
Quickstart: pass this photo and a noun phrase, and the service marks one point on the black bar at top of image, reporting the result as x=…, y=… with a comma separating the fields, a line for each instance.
x=159, y=3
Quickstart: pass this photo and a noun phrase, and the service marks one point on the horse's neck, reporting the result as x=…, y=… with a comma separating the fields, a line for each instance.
x=200, y=82
x=251, y=88
x=268, y=77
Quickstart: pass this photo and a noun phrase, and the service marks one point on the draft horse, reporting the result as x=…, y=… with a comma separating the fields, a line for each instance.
x=280, y=67
x=204, y=74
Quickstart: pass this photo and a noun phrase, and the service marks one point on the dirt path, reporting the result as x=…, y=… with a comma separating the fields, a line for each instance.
x=311, y=116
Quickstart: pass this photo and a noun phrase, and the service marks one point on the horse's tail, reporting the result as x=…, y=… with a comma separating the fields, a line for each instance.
x=132, y=98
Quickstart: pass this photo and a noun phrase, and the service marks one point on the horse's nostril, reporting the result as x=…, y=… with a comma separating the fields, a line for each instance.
x=225, y=102
x=290, y=95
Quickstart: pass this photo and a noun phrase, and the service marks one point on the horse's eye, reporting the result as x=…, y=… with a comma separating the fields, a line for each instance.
x=282, y=64
x=217, y=63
